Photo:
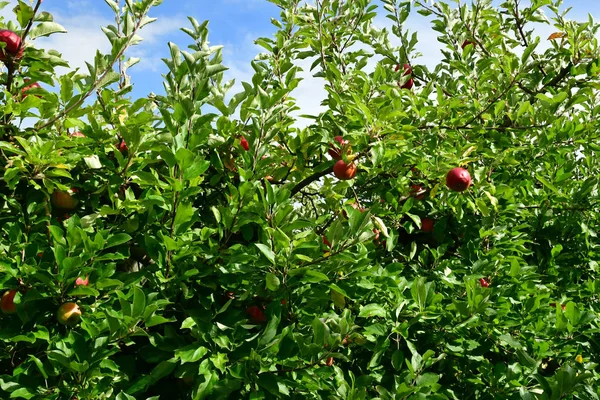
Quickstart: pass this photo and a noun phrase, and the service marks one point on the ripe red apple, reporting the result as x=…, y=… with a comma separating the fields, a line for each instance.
x=77, y=134
x=466, y=43
x=484, y=283
x=34, y=85
x=418, y=192
x=7, y=304
x=63, y=218
x=63, y=200
x=325, y=241
x=344, y=171
x=245, y=144
x=335, y=151
x=256, y=314
x=68, y=314
x=123, y=147
x=81, y=281
x=427, y=224
x=458, y=179
x=407, y=71
x=13, y=44
x=329, y=361
x=376, y=232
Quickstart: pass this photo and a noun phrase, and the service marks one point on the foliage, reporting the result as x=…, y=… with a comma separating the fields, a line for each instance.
x=216, y=272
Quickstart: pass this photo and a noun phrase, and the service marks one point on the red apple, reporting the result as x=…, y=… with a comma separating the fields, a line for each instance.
x=458, y=179
x=245, y=144
x=77, y=134
x=7, y=304
x=344, y=171
x=68, y=314
x=81, y=281
x=427, y=224
x=418, y=192
x=13, y=44
x=376, y=232
x=407, y=71
x=329, y=361
x=123, y=147
x=484, y=283
x=63, y=218
x=355, y=206
x=561, y=306
x=335, y=151
x=34, y=85
x=256, y=314
x=64, y=200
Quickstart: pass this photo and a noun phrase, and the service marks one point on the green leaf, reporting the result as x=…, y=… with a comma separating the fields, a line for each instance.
x=267, y=252
x=139, y=303
x=116, y=240
x=45, y=29
x=372, y=310
x=272, y=282
x=191, y=353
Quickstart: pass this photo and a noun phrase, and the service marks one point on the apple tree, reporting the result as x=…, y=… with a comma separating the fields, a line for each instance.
x=432, y=233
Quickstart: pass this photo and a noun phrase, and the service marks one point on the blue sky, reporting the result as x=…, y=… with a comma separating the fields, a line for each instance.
x=233, y=23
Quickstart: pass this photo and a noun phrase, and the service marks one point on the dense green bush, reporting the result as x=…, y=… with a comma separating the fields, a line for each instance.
x=225, y=260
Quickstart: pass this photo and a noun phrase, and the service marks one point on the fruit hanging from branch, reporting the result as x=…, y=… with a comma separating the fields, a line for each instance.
x=244, y=143
x=64, y=200
x=13, y=46
x=81, y=281
x=407, y=71
x=69, y=314
x=123, y=146
x=29, y=86
x=458, y=179
x=427, y=225
x=344, y=171
x=335, y=149
x=257, y=315
x=7, y=304
x=418, y=192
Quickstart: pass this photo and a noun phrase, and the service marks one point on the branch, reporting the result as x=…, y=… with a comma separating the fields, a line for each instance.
x=491, y=103
x=310, y=179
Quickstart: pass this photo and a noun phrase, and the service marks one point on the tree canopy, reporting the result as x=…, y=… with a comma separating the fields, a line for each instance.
x=431, y=234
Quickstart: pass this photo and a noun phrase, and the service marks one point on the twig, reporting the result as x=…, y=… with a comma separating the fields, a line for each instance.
x=310, y=179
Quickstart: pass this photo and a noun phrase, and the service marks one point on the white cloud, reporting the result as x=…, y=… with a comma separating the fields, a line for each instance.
x=79, y=45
